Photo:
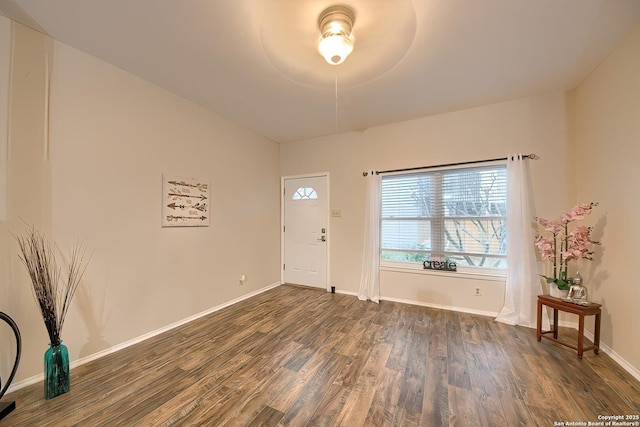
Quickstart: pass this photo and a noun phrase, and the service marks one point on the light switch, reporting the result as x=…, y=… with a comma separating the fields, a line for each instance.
x=336, y=213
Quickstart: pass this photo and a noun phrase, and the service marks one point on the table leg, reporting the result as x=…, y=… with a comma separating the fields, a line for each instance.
x=539, y=325
x=596, y=335
x=580, y=335
x=555, y=323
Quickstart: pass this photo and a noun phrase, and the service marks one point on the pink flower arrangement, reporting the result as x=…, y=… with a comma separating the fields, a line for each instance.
x=574, y=244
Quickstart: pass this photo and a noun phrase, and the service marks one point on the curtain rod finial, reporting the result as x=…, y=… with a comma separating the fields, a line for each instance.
x=533, y=156
x=365, y=173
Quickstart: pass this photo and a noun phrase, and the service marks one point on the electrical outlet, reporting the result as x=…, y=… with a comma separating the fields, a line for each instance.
x=243, y=279
x=478, y=292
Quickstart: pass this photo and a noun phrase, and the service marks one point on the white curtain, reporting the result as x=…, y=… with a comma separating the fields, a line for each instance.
x=370, y=278
x=523, y=283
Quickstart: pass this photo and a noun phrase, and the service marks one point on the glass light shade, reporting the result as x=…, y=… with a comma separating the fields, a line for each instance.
x=335, y=48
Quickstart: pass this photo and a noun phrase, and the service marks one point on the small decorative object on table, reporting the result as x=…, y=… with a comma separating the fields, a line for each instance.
x=555, y=291
x=53, y=295
x=577, y=292
x=573, y=245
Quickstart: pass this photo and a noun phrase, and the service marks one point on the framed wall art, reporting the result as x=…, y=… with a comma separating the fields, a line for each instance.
x=185, y=202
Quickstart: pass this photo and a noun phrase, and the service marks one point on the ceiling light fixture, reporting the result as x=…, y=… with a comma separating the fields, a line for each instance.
x=336, y=42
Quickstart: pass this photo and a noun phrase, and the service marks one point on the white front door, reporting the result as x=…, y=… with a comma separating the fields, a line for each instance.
x=305, y=231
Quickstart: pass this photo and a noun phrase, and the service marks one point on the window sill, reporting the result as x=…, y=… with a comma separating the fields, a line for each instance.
x=494, y=276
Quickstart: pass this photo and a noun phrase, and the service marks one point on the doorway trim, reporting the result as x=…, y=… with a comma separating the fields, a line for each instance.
x=327, y=217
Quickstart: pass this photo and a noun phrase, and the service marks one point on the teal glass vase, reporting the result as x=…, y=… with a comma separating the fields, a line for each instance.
x=56, y=371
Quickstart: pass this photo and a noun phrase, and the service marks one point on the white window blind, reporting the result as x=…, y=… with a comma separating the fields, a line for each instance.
x=456, y=215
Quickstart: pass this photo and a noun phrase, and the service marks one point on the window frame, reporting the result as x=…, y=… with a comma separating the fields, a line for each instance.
x=417, y=267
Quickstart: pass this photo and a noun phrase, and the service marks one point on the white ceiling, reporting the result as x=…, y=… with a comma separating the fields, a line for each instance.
x=255, y=61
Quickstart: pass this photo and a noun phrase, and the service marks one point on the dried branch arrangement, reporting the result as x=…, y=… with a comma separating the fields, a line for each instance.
x=52, y=289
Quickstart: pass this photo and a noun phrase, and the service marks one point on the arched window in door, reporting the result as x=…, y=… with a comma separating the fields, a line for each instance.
x=305, y=193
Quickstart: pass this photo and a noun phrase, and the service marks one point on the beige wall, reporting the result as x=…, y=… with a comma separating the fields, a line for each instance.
x=606, y=152
x=5, y=49
x=5, y=37
x=532, y=125
x=97, y=178
x=28, y=194
x=588, y=143
x=112, y=136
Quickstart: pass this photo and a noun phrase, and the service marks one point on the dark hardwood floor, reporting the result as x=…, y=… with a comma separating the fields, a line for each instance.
x=304, y=357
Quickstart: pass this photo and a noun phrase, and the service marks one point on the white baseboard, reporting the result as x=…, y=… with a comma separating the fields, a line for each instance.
x=37, y=378
x=563, y=323
x=29, y=381
x=425, y=304
x=442, y=307
x=605, y=348
x=355, y=294
x=615, y=356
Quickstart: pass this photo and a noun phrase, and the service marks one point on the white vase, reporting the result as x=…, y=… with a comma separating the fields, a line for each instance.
x=558, y=293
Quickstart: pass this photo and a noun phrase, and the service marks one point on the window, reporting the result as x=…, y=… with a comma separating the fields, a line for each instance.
x=455, y=215
x=305, y=193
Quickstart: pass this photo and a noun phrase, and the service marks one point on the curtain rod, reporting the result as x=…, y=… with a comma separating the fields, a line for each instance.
x=526, y=156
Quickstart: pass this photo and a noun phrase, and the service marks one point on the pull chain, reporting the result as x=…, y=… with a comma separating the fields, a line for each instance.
x=336, y=96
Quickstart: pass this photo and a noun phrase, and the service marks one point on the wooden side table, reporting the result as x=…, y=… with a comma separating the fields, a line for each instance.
x=568, y=307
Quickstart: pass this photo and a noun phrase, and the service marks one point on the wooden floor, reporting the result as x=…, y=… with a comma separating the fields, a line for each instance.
x=304, y=357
